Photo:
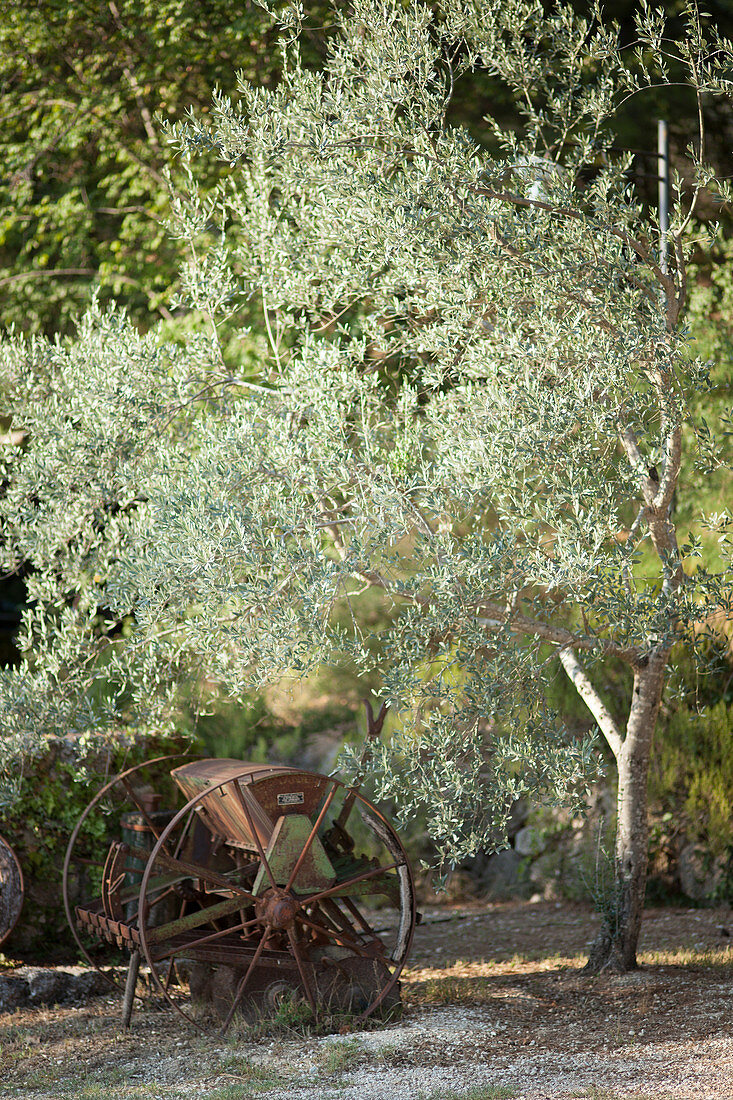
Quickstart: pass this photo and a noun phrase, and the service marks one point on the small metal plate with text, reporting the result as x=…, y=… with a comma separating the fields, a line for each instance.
x=292, y=798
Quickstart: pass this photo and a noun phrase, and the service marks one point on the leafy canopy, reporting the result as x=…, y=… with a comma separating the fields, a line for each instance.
x=473, y=402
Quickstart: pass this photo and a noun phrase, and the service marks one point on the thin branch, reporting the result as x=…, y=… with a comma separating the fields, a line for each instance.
x=569, y=212
x=495, y=615
x=520, y=258
x=592, y=700
x=55, y=272
x=635, y=457
x=637, y=246
x=133, y=82
x=701, y=135
x=273, y=345
x=672, y=461
x=629, y=543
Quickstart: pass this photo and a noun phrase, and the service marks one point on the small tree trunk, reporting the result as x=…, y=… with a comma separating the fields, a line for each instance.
x=615, y=946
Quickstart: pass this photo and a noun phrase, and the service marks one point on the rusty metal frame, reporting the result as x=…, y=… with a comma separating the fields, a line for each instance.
x=379, y=825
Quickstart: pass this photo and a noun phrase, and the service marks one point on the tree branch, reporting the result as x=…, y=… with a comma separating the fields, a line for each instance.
x=499, y=616
x=635, y=245
x=133, y=82
x=592, y=700
x=38, y=274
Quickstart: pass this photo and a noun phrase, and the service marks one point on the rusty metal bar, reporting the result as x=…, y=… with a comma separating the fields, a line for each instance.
x=192, y=944
x=192, y=920
x=243, y=803
x=130, y=984
x=301, y=971
x=336, y=935
x=349, y=882
x=195, y=870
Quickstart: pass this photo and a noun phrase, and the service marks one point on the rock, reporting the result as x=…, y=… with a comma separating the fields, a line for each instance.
x=517, y=817
x=545, y=874
x=41, y=985
x=530, y=841
x=13, y=992
x=505, y=875
x=700, y=874
x=46, y=986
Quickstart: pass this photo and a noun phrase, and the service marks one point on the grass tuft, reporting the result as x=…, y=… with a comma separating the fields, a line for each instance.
x=340, y=1056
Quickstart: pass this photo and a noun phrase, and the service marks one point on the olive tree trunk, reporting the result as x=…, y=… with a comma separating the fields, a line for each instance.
x=616, y=945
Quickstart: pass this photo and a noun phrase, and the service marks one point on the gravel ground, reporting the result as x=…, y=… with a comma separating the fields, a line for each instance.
x=496, y=1009
x=446, y=1051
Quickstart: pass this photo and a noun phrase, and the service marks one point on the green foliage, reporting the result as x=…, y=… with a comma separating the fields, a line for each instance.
x=709, y=315
x=248, y=730
x=50, y=793
x=691, y=781
x=472, y=405
x=710, y=308
x=341, y=1056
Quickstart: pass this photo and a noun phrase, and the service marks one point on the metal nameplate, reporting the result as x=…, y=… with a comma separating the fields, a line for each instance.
x=292, y=798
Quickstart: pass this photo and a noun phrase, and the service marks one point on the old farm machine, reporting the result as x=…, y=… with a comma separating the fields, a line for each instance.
x=267, y=882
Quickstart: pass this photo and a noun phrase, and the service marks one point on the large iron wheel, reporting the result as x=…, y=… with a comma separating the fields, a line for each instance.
x=106, y=857
x=322, y=908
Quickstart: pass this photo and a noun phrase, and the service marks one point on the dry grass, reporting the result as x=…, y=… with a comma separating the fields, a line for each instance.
x=721, y=958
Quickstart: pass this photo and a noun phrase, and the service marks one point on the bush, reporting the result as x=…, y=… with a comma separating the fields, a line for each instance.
x=691, y=782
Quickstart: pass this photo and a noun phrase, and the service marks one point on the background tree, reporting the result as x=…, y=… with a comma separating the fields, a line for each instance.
x=84, y=189
x=476, y=404
x=84, y=192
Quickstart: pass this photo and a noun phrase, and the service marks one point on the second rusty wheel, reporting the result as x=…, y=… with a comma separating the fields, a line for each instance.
x=106, y=857
x=296, y=886
x=12, y=891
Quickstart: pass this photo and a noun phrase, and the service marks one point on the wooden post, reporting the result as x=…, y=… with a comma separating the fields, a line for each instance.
x=130, y=984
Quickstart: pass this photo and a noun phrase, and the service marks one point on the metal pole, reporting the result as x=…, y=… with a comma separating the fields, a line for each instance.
x=663, y=174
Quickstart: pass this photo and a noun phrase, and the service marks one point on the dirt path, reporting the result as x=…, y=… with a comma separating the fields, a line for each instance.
x=495, y=1009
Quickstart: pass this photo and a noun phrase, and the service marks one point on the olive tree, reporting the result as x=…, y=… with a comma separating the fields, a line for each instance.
x=475, y=408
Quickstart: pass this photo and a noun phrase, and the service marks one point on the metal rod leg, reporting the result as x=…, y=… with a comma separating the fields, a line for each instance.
x=130, y=985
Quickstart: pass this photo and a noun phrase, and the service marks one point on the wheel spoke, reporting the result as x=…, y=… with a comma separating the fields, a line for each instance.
x=301, y=970
x=338, y=919
x=348, y=882
x=172, y=963
x=161, y=932
x=140, y=807
x=195, y=870
x=162, y=896
x=337, y=936
x=320, y=915
x=341, y=919
x=243, y=983
x=80, y=886
x=309, y=841
x=356, y=914
x=219, y=934
x=244, y=932
x=255, y=835
x=184, y=833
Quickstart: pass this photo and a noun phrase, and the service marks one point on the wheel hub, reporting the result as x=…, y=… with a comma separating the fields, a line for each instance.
x=277, y=907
